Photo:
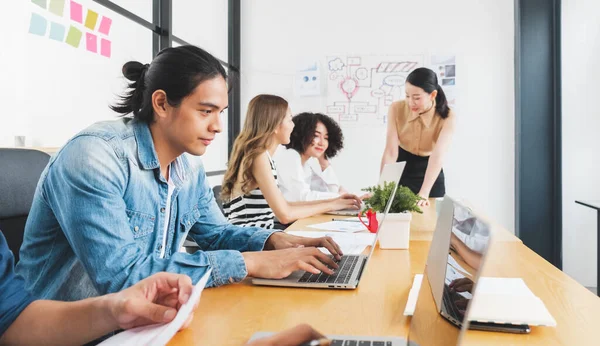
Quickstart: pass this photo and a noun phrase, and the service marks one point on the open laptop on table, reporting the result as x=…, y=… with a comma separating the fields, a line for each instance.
x=392, y=172
x=347, y=276
x=427, y=326
x=455, y=262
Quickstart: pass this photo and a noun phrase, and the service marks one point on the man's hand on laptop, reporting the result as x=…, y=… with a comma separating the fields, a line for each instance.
x=280, y=240
x=278, y=264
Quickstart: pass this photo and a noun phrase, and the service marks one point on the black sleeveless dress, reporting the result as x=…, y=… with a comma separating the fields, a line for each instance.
x=414, y=174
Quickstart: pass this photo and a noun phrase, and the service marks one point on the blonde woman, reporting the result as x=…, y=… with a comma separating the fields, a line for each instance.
x=250, y=190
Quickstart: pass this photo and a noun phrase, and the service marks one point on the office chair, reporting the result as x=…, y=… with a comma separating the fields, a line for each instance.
x=20, y=170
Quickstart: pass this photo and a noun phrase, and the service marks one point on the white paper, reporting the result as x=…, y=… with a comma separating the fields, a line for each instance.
x=360, y=88
x=411, y=303
x=160, y=334
x=351, y=226
x=506, y=286
x=350, y=243
x=308, y=79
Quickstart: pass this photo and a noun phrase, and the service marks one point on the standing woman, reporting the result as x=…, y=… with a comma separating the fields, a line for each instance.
x=419, y=132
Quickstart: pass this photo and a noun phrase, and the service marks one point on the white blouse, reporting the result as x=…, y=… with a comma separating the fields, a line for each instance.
x=304, y=182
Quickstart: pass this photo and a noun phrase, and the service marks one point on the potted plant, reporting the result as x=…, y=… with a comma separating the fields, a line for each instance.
x=395, y=231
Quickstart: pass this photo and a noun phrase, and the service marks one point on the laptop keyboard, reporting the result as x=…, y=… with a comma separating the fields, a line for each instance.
x=341, y=276
x=449, y=301
x=360, y=343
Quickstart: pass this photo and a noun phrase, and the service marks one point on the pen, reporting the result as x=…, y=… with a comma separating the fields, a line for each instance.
x=320, y=342
x=346, y=220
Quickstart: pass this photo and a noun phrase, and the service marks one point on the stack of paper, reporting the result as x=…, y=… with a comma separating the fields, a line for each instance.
x=349, y=225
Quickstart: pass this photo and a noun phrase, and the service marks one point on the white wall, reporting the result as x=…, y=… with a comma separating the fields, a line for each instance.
x=581, y=142
x=50, y=90
x=480, y=166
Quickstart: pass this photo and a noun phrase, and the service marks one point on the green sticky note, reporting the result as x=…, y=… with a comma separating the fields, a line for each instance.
x=40, y=3
x=74, y=36
x=57, y=7
x=91, y=19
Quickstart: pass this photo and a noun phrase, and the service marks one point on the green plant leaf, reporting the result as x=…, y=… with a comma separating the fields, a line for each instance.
x=404, y=201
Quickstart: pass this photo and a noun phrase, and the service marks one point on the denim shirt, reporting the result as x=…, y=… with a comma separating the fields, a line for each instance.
x=97, y=220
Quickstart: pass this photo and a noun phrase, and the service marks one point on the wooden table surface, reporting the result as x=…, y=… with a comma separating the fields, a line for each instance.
x=229, y=315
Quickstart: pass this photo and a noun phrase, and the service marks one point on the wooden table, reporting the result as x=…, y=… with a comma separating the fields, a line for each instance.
x=229, y=315
x=595, y=205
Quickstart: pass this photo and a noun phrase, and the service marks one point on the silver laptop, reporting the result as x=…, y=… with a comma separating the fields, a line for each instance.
x=427, y=326
x=392, y=172
x=347, y=276
x=455, y=262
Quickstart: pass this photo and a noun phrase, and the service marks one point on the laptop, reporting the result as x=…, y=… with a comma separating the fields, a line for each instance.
x=455, y=262
x=347, y=276
x=392, y=172
x=427, y=325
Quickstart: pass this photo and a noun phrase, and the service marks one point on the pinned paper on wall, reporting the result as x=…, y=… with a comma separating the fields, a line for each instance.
x=105, y=47
x=74, y=36
x=445, y=68
x=91, y=19
x=57, y=32
x=57, y=7
x=40, y=3
x=76, y=12
x=104, y=27
x=37, y=25
x=308, y=79
x=91, y=42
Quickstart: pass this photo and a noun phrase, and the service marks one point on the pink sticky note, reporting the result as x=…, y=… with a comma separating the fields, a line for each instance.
x=105, y=25
x=76, y=12
x=105, y=47
x=91, y=42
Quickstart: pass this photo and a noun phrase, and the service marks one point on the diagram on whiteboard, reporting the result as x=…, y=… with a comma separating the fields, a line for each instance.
x=360, y=89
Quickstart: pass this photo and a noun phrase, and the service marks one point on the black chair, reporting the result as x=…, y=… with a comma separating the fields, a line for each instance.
x=20, y=170
x=217, y=193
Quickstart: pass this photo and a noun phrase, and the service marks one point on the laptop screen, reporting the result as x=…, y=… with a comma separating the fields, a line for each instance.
x=458, y=247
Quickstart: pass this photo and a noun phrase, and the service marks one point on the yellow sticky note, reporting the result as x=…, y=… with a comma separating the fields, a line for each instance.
x=91, y=19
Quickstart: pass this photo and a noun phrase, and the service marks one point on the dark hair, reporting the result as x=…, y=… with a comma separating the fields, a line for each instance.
x=426, y=79
x=177, y=71
x=305, y=125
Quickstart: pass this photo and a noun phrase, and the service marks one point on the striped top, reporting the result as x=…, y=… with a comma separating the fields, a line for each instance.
x=251, y=210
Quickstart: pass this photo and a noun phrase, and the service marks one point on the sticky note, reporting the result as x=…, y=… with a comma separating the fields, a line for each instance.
x=37, y=25
x=57, y=7
x=74, y=36
x=105, y=47
x=91, y=42
x=40, y=3
x=91, y=19
x=105, y=23
x=76, y=12
x=57, y=32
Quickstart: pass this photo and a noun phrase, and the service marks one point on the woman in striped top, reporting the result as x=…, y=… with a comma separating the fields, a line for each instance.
x=250, y=192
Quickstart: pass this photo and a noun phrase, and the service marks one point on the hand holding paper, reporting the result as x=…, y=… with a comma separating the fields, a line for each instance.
x=160, y=334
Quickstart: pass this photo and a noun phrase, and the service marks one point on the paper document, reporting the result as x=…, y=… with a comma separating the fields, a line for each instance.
x=350, y=225
x=160, y=334
x=350, y=243
x=507, y=286
x=411, y=303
